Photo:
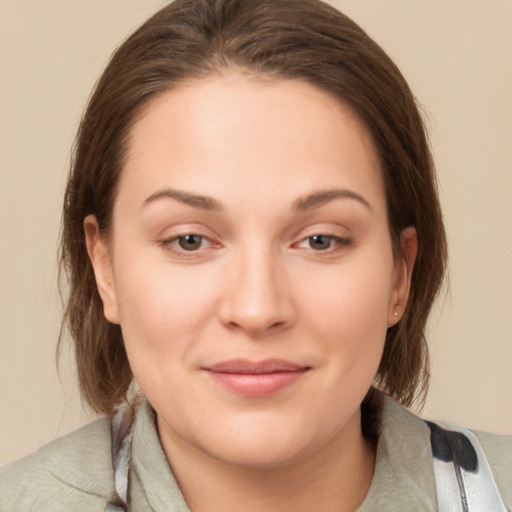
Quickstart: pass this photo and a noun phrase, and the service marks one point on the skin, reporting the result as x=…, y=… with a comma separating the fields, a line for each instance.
x=254, y=284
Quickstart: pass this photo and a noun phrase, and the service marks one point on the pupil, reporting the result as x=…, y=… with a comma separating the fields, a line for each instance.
x=320, y=242
x=190, y=242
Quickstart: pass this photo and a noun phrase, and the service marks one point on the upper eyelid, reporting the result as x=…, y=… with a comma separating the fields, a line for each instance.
x=334, y=229
x=323, y=226
x=185, y=230
x=311, y=231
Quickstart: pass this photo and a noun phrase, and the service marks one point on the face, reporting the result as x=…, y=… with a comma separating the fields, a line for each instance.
x=250, y=267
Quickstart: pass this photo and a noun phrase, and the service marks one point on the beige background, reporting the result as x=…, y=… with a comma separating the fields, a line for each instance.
x=456, y=56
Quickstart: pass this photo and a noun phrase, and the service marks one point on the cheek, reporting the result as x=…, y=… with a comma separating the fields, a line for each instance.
x=348, y=316
x=353, y=298
x=152, y=291
x=162, y=309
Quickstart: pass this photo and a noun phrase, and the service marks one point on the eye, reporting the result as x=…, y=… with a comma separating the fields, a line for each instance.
x=320, y=242
x=190, y=242
x=323, y=242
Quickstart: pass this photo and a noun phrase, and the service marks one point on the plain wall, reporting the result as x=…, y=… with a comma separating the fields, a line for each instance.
x=456, y=56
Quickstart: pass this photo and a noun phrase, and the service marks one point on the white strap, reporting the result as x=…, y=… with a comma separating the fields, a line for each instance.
x=459, y=490
x=122, y=435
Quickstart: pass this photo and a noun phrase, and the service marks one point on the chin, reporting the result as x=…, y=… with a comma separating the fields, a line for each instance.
x=259, y=454
x=261, y=443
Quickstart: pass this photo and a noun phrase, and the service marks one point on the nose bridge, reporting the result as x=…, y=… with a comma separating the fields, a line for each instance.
x=258, y=297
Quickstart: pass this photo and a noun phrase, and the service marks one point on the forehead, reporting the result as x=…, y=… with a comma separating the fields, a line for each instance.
x=243, y=136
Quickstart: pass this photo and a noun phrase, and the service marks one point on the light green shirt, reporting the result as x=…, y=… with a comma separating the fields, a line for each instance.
x=75, y=473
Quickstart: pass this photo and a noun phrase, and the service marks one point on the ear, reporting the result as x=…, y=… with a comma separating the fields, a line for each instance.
x=99, y=254
x=404, y=264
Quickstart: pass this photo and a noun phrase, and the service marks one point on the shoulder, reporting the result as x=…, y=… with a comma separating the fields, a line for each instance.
x=498, y=451
x=73, y=472
x=409, y=446
x=403, y=477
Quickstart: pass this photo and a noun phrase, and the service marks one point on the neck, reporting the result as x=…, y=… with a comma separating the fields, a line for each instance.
x=335, y=478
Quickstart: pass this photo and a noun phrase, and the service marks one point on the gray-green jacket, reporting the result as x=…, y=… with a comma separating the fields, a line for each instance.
x=75, y=472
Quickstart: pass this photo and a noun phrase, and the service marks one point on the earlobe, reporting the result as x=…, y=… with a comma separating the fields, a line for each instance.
x=99, y=254
x=404, y=265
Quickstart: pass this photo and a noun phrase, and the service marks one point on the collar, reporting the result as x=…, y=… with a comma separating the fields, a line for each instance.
x=404, y=474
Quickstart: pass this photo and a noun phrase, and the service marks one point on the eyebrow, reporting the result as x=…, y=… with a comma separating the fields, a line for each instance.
x=325, y=196
x=314, y=200
x=194, y=200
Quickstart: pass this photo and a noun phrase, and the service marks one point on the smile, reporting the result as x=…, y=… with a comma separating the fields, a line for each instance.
x=254, y=379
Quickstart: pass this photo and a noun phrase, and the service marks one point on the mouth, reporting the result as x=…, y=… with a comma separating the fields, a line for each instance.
x=255, y=378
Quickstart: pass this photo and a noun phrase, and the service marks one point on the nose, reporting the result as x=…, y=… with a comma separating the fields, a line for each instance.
x=257, y=297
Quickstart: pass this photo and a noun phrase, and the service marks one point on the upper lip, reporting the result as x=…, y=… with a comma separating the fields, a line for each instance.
x=244, y=366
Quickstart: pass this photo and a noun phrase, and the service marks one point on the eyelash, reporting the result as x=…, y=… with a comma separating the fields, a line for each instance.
x=336, y=243
x=171, y=244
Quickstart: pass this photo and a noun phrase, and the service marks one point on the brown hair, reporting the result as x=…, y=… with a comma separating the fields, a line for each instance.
x=296, y=39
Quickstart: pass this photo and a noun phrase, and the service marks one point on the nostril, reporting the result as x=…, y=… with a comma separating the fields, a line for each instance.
x=255, y=328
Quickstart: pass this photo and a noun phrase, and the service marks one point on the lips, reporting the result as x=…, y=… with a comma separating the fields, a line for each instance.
x=253, y=379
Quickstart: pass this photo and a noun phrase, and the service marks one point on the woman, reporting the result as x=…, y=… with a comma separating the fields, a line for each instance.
x=253, y=237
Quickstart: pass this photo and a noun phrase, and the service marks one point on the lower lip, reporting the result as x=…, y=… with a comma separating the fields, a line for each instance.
x=254, y=385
